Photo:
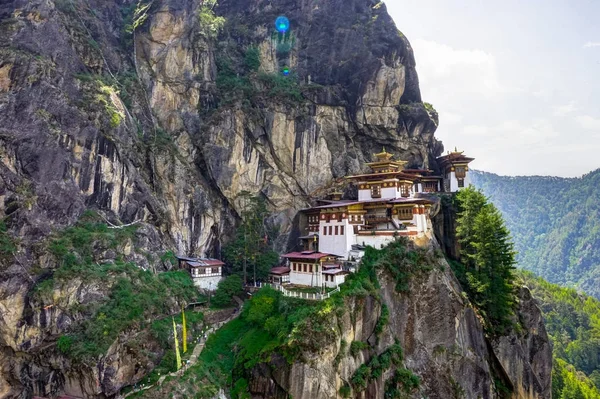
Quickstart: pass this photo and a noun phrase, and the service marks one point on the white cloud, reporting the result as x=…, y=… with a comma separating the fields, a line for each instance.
x=445, y=70
x=450, y=118
x=588, y=122
x=591, y=44
x=564, y=110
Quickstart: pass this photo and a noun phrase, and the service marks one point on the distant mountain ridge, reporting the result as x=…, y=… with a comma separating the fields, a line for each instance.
x=555, y=224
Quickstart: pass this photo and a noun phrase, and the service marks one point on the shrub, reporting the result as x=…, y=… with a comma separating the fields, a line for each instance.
x=226, y=290
x=64, y=343
x=345, y=391
x=252, y=59
x=357, y=346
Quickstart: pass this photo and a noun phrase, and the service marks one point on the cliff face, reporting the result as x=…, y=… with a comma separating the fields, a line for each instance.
x=443, y=342
x=129, y=108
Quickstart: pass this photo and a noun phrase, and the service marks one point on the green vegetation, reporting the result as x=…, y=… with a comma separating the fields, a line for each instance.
x=283, y=88
x=134, y=297
x=357, y=346
x=429, y=108
x=252, y=59
x=403, y=381
x=210, y=23
x=555, y=223
x=573, y=323
x=487, y=260
x=7, y=243
x=226, y=290
x=75, y=247
x=273, y=325
x=401, y=384
x=250, y=251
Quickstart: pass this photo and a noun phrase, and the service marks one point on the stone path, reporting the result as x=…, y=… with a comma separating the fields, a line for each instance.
x=196, y=352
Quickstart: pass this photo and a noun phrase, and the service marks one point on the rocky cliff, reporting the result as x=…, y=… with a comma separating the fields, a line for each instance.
x=158, y=114
x=443, y=344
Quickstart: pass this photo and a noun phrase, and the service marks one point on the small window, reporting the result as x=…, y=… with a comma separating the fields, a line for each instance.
x=305, y=267
x=342, y=230
x=330, y=230
x=336, y=230
x=310, y=268
x=461, y=183
x=375, y=192
x=324, y=230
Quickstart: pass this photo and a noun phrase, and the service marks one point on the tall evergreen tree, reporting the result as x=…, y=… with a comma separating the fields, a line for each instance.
x=489, y=257
x=250, y=251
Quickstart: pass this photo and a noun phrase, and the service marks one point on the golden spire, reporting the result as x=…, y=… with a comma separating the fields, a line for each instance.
x=384, y=155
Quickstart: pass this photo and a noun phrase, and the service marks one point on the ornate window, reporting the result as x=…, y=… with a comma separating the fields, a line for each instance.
x=405, y=190
x=375, y=191
x=405, y=213
x=460, y=172
x=461, y=183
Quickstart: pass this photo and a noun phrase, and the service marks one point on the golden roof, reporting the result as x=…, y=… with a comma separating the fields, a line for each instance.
x=383, y=155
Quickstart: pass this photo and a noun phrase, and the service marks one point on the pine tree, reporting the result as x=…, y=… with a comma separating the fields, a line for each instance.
x=489, y=257
x=250, y=248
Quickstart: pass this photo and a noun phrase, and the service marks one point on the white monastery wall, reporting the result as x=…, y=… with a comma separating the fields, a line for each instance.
x=207, y=283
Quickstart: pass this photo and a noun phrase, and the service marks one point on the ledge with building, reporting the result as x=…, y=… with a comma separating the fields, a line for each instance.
x=392, y=202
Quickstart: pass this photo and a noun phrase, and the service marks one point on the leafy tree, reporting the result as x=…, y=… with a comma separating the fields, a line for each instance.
x=226, y=290
x=489, y=257
x=250, y=248
x=210, y=23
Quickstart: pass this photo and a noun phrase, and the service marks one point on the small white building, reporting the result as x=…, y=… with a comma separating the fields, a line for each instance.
x=455, y=170
x=279, y=275
x=206, y=273
x=314, y=269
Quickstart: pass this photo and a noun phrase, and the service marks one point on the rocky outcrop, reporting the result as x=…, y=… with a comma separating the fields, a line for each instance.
x=443, y=341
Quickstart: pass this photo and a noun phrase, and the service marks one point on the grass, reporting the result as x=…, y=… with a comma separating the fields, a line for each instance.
x=134, y=299
x=273, y=325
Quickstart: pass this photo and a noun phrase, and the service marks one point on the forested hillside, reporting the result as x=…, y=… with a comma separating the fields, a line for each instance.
x=573, y=323
x=555, y=223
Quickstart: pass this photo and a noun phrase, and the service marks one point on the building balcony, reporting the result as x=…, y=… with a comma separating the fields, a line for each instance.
x=377, y=219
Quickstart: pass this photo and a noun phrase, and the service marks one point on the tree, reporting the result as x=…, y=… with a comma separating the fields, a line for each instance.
x=488, y=254
x=226, y=290
x=251, y=244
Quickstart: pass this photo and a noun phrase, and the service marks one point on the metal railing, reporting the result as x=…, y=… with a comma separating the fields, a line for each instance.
x=298, y=294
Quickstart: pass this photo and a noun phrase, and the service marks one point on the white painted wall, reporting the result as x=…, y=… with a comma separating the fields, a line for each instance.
x=389, y=193
x=207, y=283
x=309, y=279
x=453, y=182
x=336, y=244
x=374, y=241
x=337, y=280
x=364, y=195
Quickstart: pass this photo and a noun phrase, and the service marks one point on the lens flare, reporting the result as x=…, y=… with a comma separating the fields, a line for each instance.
x=282, y=24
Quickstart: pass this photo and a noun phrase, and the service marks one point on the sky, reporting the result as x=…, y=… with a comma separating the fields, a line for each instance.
x=516, y=82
